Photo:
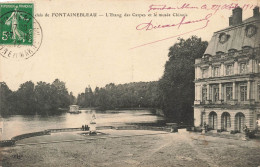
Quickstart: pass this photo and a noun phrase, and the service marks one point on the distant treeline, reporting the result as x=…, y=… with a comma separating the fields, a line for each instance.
x=130, y=95
x=173, y=93
x=42, y=98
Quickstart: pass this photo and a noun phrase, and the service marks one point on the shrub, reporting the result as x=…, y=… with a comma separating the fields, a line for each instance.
x=233, y=131
x=197, y=129
x=250, y=134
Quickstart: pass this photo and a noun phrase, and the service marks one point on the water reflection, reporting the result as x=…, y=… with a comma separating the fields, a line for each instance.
x=17, y=124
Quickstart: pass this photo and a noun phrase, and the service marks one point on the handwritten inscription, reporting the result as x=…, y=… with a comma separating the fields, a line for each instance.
x=214, y=7
x=151, y=26
x=164, y=7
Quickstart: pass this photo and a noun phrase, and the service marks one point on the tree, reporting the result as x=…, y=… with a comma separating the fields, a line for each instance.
x=44, y=98
x=61, y=93
x=72, y=98
x=130, y=95
x=5, y=98
x=88, y=97
x=81, y=99
x=25, y=98
x=51, y=97
x=96, y=97
x=176, y=86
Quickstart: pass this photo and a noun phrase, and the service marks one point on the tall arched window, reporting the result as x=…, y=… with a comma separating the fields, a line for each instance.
x=225, y=121
x=239, y=121
x=213, y=120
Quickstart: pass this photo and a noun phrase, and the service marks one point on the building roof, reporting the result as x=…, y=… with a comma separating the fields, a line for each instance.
x=237, y=36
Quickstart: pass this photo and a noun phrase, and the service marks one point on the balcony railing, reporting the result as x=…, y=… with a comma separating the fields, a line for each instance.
x=222, y=102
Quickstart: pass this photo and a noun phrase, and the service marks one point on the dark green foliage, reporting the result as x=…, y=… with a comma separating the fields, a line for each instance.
x=176, y=85
x=43, y=98
x=25, y=99
x=72, y=98
x=5, y=98
x=131, y=95
x=174, y=92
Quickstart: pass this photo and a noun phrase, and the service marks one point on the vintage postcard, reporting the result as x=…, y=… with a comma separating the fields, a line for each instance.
x=130, y=83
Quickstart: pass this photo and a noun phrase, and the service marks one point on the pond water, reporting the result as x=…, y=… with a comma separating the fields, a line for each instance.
x=19, y=124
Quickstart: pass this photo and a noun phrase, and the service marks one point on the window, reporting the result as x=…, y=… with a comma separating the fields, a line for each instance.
x=215, y=93
x=258, y=85
x=219, y=53
x=206, y=57
x=243, y=68
x=246, y=49
x=202, y=119
x=243, y=92
x=204, y=73
x=204, y=94
x=210, y=93
x=229, y=69
x=231, y=52
x=229, y=92
x=215, y=71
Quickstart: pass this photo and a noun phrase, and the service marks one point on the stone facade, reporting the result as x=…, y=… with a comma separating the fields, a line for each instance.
x=227, y=77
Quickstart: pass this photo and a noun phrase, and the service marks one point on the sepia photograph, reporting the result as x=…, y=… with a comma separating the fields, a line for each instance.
x=129, y=83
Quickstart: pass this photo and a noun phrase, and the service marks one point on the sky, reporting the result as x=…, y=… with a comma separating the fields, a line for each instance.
x=95, y=51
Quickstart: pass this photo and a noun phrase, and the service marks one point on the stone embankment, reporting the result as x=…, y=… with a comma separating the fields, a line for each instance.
x=6, y=143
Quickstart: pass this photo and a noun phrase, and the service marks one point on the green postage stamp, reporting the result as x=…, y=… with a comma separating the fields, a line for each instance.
x=20, y=33
x=16, y=21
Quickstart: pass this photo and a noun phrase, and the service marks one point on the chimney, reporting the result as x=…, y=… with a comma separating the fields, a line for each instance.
x=230, y=21
x=256, y=11
x=237, y=16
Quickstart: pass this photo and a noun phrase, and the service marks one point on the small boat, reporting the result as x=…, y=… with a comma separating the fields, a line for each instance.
x=74, y=109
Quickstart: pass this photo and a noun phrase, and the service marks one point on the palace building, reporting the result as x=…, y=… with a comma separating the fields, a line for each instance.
x=227, y=77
